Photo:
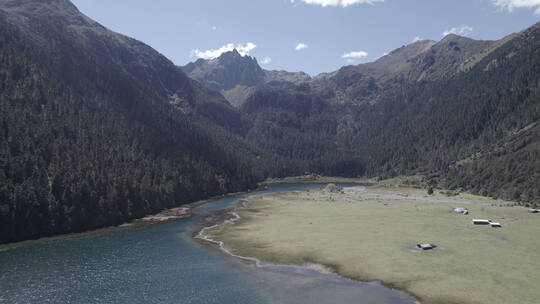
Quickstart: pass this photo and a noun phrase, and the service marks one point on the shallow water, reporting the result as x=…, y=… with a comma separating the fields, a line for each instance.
x=163, y=264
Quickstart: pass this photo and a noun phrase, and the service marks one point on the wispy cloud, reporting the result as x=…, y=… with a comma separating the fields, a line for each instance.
x=510, y=5
x=353, y=56
x=266, y=60
x=463, y=30
x=243, y=49
x=301, y=46
x=342, y=3
x=416, y=39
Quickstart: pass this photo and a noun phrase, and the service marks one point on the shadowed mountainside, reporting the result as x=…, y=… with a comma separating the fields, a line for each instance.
x=89, y=137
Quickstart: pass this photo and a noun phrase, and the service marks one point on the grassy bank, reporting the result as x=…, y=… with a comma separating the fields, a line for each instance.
x=370, y=234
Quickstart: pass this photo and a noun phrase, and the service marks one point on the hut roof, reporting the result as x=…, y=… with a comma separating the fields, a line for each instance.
x=481, y=222
x=425, y=246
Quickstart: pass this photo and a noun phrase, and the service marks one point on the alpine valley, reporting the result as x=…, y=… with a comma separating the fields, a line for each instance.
x=97, y=128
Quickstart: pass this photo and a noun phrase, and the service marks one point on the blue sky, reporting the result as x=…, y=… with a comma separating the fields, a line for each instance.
x=313, y=36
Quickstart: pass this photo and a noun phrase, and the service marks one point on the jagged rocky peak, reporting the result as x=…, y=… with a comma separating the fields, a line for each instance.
x=234, y=55
x=235, y=59
x=226, y=71
x=237, y=76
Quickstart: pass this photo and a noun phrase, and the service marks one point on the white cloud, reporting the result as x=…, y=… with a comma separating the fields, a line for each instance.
x=266, y=60
x=355, y=55
x=463, y=30
x=243, y=49
x=416, y=39
x=214, y=27
x=342, y=3
x=301, y=46
x=510, y=5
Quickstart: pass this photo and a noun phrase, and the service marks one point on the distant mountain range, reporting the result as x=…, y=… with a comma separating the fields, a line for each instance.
x=237, y=76
x=98, y=128
x=420, y=61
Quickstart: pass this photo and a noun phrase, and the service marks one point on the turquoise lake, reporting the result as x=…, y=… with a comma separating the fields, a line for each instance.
x=164, y=264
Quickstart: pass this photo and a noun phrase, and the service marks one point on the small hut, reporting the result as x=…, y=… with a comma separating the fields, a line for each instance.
x=480, y=222
x=426, y=246
x=495, y=224
x=461, y=210
x=532, y=210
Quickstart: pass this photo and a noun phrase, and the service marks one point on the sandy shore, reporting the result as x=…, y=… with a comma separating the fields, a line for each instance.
x=370, y=233
x=168, y=215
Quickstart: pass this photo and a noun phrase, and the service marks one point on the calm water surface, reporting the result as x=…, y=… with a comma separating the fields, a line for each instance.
x=163, y=264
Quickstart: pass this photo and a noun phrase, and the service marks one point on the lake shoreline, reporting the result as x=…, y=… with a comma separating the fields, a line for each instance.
x=220, y=218
x=164, y=216
x=160, y=217
x=249, y=235
x=156, y=219
x=148, y=264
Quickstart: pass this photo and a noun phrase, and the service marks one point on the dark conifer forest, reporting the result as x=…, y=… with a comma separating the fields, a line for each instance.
x=97, y=128
x=84, y=144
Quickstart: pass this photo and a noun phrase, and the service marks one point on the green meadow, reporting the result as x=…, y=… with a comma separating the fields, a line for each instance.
x=370, y=234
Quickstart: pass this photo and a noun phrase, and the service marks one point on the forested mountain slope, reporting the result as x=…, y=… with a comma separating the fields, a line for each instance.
x=468, y=119
x=476, y=130
x=88, y=134
x=135, y=58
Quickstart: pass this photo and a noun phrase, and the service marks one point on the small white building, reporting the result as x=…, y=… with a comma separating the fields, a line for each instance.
x=481, y=222
x=495, y=224
x=532, y=210
x=461, y=210
x=426, y=246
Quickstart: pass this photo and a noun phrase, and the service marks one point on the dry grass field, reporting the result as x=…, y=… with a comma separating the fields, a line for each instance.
x=371, y=234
